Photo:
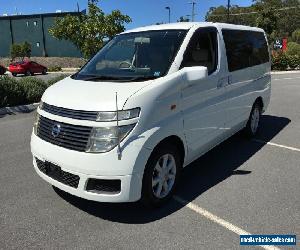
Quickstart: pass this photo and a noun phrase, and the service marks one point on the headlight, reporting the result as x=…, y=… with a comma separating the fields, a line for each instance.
x=36, y=123
x=105, y=139
x=122, y=115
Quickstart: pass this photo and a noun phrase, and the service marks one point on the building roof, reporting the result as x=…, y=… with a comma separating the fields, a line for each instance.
x=55, y=14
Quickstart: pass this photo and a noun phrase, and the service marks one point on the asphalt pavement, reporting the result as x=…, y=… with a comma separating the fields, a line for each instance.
x=239, y=186
x=45, y=78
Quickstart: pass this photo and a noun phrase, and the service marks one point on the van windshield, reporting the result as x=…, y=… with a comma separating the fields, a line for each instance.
x=134, y=57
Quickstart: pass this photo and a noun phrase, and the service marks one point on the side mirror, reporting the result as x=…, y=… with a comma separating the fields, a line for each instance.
x=195, y=73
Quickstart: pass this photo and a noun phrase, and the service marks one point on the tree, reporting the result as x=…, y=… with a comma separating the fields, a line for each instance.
x=26, y=49
x=267, y=19
x=183, y=19
x=88, y=32
x=21, y=51
x=278, y=17
x=296, y=36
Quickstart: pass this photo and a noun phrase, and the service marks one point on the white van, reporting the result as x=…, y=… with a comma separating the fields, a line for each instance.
x=179, y=89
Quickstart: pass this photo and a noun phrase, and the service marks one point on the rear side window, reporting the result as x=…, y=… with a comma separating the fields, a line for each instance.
x=245, y=48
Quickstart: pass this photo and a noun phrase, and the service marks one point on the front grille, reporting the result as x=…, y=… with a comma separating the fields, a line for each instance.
x=70, y=113
x=104, y=186
x=55, y=172
x=69, y=136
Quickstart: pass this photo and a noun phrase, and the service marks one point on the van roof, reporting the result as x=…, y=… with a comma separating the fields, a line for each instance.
x=188, y=25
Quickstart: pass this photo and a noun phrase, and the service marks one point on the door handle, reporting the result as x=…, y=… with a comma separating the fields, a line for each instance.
x=189, y=86
x=224, y=81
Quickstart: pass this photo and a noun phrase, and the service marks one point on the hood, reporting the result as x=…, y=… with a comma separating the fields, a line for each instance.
x=91, y=96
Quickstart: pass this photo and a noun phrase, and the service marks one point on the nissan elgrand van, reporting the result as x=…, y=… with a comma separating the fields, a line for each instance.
x=150, y=102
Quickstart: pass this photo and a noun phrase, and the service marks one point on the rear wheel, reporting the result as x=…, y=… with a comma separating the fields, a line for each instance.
x=253, y=123
x=28, y=73
x=44, y=72
x=161, y=175
x=14, y=74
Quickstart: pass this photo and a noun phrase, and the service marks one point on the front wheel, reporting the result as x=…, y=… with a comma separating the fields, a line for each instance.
x=28, y=73
x=253, y=123
x=161, y=175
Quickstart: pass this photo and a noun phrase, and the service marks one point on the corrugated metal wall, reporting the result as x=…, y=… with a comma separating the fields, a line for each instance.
x=30, y=28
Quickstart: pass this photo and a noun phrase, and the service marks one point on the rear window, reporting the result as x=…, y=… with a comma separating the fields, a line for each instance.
x=245, y=48
x=18, y=63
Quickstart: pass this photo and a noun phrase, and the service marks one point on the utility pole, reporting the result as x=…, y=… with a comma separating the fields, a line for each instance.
x=228, y=10
x=193, y=10
x=169, y=9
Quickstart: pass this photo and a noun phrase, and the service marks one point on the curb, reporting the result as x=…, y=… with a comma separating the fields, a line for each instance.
x=19, y=109
x=70, y=69
x=62, y=72
x=285, y=72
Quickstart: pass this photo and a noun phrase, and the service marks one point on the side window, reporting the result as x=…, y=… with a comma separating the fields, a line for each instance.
x=245, y=49
x=260, y=48
x=202, y=50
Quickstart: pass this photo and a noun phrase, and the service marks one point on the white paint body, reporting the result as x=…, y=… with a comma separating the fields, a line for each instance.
x=207, y=113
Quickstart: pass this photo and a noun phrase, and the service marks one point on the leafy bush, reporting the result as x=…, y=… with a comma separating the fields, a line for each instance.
x=11, y=92
x=33, y=89
x=293, y=48
x=285, y=61
x=294, y=61
x=24, y=91
x=296, y=36
x=54, y=69
x=280, y=61
x=56, y=79
x=20, y=50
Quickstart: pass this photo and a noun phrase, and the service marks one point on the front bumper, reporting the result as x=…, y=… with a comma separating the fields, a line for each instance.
x=106, y=166
x=130, y=186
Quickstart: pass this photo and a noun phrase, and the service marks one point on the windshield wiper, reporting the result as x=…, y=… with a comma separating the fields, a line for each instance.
x=142, y=78
x=99, y=77
x=113, y=78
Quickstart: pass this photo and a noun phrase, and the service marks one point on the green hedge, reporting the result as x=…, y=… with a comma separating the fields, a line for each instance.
x=285, y=61
x=293, y=49
x=54, y=69
x=33, y=88
x=11, y=92
x=24, y=91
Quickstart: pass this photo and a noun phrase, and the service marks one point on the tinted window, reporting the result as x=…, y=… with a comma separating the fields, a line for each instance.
x=245, y=48
x=202, y=50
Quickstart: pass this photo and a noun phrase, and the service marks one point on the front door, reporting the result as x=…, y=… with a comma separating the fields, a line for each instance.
x=202, y=101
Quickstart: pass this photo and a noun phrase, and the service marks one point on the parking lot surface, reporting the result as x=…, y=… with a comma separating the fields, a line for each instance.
x=45, y=78
x=240, y=186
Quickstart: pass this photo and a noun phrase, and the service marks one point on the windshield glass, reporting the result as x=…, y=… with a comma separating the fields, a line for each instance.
x=134, y=56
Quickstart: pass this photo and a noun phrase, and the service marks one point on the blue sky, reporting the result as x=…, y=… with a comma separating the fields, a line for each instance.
x=142, y=12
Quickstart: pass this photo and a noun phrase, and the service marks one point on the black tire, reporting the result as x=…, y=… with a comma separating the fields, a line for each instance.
x=14, y=74
x=44, y=72
x=149, y=199
x=28, y=73
x=253, y=124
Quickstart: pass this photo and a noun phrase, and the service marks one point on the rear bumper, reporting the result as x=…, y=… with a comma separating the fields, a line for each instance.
x=17, y=71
